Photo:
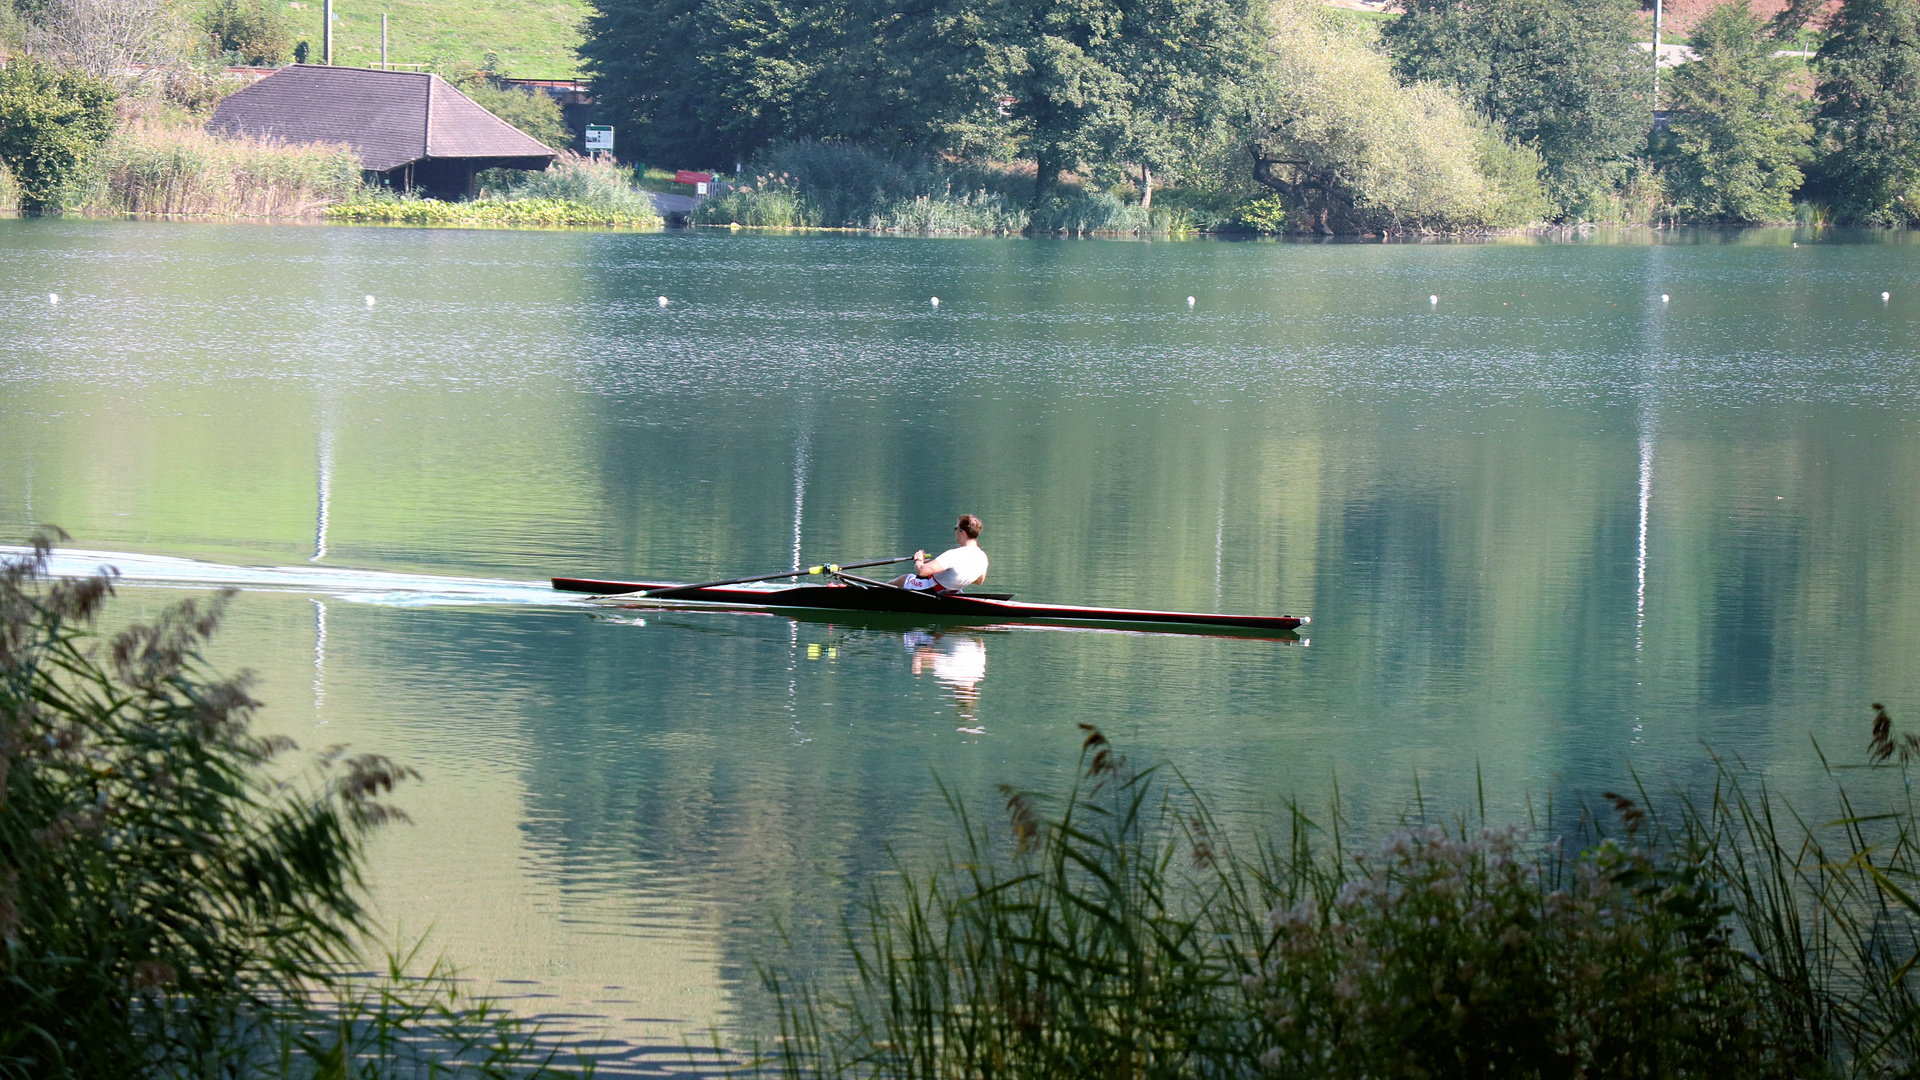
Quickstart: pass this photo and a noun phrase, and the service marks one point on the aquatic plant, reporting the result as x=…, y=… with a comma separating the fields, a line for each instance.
x=173, y=901
x=598, y=183
x=375, y=205
x=1116, y=930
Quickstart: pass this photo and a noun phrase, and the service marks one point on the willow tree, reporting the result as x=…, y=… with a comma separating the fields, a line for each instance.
x=1563, y=76
x=1351, y=149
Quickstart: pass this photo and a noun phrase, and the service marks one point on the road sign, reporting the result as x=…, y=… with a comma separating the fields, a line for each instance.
x=599, y=137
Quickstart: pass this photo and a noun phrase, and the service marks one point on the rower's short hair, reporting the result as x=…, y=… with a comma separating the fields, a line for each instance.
x=970, y=525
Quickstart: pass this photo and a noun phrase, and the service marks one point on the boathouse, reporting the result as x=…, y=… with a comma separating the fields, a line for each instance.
x=412, y=130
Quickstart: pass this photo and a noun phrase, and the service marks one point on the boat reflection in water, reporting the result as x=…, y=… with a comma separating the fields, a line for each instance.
x=956, y=661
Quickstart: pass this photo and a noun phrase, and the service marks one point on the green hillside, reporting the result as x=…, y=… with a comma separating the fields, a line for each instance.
x=534, y=38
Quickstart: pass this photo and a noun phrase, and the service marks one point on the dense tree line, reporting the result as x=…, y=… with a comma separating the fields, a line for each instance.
x=1453, y=114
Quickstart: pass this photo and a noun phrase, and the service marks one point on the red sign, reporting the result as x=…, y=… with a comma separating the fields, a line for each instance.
x=685, y=177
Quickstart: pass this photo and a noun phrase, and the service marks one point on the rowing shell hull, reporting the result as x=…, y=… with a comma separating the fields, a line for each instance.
x=856, y=598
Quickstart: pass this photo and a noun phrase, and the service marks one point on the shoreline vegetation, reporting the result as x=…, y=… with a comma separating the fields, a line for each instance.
x=173, y=905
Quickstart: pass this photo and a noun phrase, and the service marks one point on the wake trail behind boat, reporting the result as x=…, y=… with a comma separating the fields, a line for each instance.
x=359, y=586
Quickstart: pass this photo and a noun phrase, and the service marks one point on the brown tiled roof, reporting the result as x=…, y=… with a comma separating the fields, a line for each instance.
x=388, y=117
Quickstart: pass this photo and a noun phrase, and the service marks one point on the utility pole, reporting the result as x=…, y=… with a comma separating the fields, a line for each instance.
x=326, y=33
x=383, y=40
x=1656, y=61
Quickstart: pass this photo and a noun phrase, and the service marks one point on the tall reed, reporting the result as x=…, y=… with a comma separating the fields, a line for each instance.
x=174, y=904
x=147, y=167
x=1114, y=931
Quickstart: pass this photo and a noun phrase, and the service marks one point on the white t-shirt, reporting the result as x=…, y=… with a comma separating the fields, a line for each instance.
x=964, y=566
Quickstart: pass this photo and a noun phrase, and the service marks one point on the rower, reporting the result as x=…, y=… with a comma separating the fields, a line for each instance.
x=957, y=567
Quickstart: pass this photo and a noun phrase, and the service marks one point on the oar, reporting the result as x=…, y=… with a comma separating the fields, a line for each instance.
x=829, y=568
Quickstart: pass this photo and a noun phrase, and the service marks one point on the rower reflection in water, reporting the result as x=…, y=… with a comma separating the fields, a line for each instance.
x=960, y=666
x=957, y=567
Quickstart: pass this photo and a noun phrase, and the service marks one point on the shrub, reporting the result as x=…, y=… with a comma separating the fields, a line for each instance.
x=249, y=31
x=374, y=205
x=1733, y=934
x=157, y=885
x=1268, y=215
x=51, y=122
x=536, y=114
x=591, y=182
x=9, y=192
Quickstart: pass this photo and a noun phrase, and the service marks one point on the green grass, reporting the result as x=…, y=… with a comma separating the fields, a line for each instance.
x=535, y=39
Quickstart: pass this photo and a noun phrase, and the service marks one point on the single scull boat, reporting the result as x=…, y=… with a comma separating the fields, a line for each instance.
x=848, y=593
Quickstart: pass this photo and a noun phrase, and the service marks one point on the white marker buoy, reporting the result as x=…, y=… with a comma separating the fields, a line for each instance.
x=935, y=301
x=1796, y=243
x=1884, y=297
x=53, y=298
x=1433, y=299
x=369, y=301
x=1663, y=298
x=1189, y=301
x=663, y=301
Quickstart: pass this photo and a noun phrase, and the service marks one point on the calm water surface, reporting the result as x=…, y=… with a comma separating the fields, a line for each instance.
x=1595, y=503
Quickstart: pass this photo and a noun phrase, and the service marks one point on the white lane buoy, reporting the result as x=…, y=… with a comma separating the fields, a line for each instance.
x=1663, y=298
x=663, y=301
x=369, y=301
x=1796, y=243
x=935, y=301
x=1884, y=297
x=1433, y=299
x=1189, y=301
x=53, y=298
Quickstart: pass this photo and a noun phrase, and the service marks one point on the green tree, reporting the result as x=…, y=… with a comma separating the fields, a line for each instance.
x=1350, y=149
x=533, y=112
x=1562, y=76
x=51, y=122
x=707, y=82
x=1869, y=112
x=1737, y=132
x=712, y=81
x=255, y=31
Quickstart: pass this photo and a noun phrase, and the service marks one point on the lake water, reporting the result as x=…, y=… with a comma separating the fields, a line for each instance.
x=1555, y=507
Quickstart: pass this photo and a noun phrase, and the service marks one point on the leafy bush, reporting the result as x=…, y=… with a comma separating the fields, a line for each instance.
x=596, y=182
x=51, y=122
x=158, y=884
x=536, y=114
x=804, y=183
x=248, y=31
x=1352, y=149
x=9, y=192
x=1492, y=953
x=1268, y=215
x=374, y=205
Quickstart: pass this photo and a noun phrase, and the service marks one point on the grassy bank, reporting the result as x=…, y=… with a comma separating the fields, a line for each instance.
x=1727, y=933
